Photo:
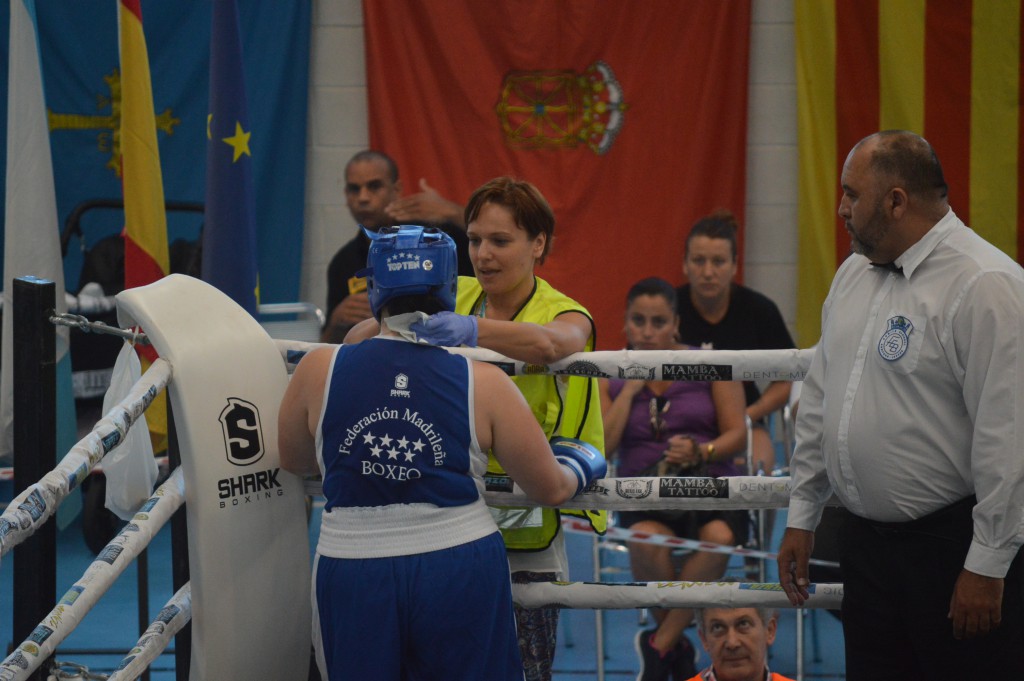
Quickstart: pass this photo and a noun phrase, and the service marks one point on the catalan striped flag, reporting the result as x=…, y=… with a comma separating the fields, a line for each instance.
x=229, y=232
x=145, y=228
x=949, y=70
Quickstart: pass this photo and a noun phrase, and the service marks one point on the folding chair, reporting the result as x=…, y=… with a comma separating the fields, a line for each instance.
x=604, y=546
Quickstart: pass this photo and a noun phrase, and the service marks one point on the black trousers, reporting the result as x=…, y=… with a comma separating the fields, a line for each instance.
x=898, y=581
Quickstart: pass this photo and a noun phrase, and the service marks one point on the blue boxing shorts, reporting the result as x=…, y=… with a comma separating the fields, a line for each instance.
x=441, y=615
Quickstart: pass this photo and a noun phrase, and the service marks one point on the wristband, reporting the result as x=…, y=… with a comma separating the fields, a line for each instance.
x=711, y=453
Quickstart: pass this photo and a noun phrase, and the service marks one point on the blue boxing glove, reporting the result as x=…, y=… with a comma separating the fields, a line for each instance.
x=446, y=328
x=582, y=458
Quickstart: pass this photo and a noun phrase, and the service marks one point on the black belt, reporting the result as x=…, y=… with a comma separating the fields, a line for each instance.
x=933, y=523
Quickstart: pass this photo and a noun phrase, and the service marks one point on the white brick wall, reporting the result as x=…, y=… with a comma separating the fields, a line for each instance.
x=338, y=128
x=770, y=254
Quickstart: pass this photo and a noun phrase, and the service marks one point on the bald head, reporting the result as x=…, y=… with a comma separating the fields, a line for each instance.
x=904, y=159
x=893, y=193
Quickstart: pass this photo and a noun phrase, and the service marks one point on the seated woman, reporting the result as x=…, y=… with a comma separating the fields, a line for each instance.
x=685, y=424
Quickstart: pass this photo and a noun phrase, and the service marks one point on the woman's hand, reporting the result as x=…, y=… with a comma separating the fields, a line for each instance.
x=683, y=451
x=630, y=389
x=615, y=412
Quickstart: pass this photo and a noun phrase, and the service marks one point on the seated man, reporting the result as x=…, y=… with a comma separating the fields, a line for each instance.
x=737, y=640
x=373, y=193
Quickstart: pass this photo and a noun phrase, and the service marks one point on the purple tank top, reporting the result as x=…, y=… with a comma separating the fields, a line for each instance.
x=690, y=411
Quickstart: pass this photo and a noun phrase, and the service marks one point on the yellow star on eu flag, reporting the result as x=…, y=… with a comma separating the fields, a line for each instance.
x=239, y=142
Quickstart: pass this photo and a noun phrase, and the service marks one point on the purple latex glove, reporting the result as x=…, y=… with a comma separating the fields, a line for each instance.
x=448, y=329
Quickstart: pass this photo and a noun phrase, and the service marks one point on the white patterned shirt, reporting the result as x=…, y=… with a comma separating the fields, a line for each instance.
x=915, y=397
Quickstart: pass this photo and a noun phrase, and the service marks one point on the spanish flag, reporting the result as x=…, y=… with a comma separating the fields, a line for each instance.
x=145, y=229
x=949, y=70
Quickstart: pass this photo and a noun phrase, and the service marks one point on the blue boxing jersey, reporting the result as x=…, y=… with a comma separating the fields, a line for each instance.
x=397, y=448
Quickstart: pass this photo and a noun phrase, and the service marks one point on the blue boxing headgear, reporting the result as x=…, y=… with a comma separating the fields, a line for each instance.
x=410, y=260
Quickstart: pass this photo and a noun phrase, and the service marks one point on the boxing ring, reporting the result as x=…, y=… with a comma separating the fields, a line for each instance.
x=225, y=414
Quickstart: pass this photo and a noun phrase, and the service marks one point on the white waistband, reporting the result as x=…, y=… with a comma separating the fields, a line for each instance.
x=401, y=529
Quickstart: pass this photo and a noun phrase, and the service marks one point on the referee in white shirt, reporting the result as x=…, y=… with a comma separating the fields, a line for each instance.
x=912, y=413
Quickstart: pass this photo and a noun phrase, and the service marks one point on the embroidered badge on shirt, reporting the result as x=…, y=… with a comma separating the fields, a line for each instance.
x=401, y=388
x=896, y=339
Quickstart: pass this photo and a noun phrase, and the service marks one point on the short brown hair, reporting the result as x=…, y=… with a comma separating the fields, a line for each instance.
x=529, y=208
x=721, y=224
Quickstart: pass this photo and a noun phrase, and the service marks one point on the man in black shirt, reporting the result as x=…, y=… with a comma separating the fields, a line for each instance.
x=373, y=193
x=717, y=313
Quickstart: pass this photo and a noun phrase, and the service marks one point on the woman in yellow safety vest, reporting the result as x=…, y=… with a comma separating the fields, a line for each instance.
x=508, y=309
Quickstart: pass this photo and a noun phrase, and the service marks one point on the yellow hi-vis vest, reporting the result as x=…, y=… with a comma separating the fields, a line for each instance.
x=569, y=406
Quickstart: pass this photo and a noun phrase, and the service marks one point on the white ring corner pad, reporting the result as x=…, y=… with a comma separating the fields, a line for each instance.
x=248, y=539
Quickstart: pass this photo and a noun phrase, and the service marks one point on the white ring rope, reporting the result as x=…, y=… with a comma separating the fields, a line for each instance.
x=36, y=503
x=629, y=595
x=650, y=365
x=740, y=492
x=169, y=621
x=96, y=580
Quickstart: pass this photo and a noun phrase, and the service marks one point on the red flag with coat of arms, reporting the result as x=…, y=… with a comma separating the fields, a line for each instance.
x=629, y=117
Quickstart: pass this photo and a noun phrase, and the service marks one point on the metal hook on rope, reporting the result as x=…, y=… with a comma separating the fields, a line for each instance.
x=82, y=323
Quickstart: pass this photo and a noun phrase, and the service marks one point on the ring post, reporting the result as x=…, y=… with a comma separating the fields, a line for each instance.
x=179, y=557
x=35, y=447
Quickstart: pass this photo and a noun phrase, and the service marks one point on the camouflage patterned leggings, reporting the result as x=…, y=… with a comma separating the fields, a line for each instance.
x=537, y=629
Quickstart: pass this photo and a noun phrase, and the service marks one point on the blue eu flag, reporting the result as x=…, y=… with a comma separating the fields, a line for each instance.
x=229, y=231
